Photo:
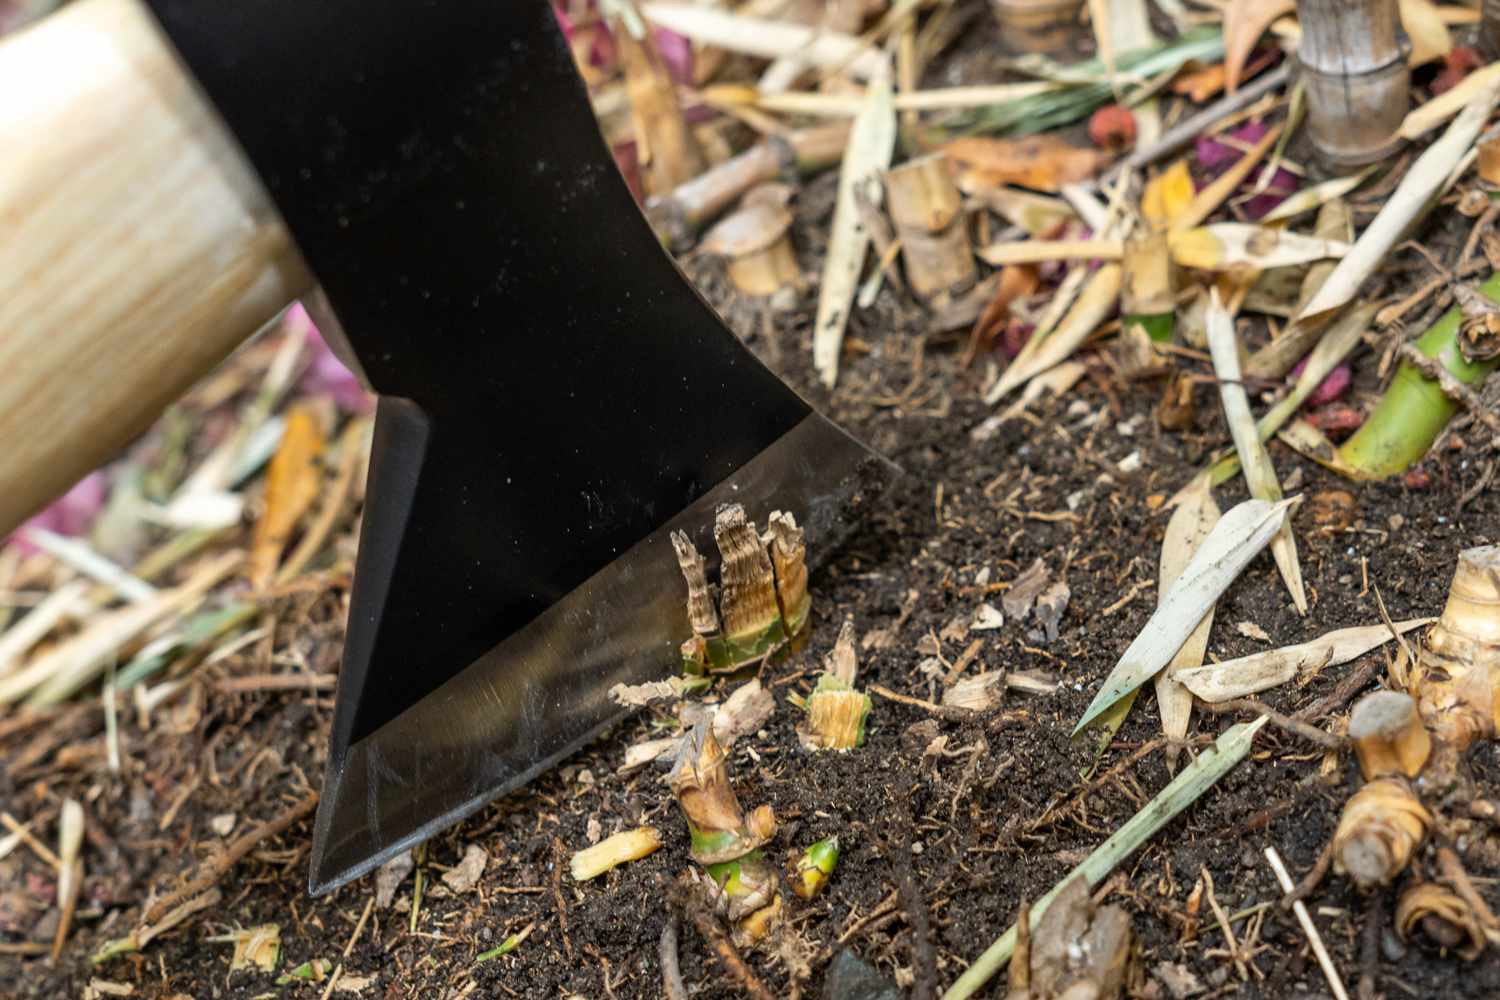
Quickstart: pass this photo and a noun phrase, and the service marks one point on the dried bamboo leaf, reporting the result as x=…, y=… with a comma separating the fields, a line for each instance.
x=1041, y=251
x=1411, y=200
x=1429, y=116
x=1043, y=162
x=292, y=483
x=1230, y=245
x=1260, y=474
x=871, y=143
x=1037, y=214
x=1244, y=22
x=767, y=39
x=1309, y=442
x=1168, y=195
x=1191, y=523
x=1101, y=293
x=68, y=600
x=1429, y=35
x=1238, y=538
x=1246, y=675
x=1316, y=196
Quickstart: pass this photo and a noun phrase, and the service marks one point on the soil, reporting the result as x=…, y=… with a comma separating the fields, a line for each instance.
x=994, y=812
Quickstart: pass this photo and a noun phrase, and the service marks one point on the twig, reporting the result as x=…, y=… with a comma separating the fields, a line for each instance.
x=671, y=972
x=277, y=682
x=217, y=866
x=363, y=917
x=1254, y=706
x=1190, y=128
x=1308, y=927
x=1347, y=688
x=29, y=839
x=718, y=940
x=1313, y=878
x=559, y=854
x=1453, y=870
x=949, y=712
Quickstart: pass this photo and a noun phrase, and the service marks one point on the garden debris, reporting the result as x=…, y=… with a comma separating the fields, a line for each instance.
x=1457, y=676
x=836, y=710
x=389, y=876
x=1025, y=589
x=1228, y=750
x=70, y=829
x=1041, y=162
x=756, y=244
x=1440, y=919
x=464, y=876
x=1236, y=539
x=1284, y=879
x=1261, y=671
x=510, y=944
x=927, y=210
x=987, y=618
x=871, y=143
x=1260, y=474
x=1076, y=949
x=1192, y=522
x=616, y=849
x=254, y=947
x=1050, y=606
x=292, y=483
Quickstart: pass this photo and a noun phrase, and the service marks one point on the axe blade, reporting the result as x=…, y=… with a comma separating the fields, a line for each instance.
x=555, y=397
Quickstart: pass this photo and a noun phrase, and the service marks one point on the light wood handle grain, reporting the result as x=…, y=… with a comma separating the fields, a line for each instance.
x=137, y=248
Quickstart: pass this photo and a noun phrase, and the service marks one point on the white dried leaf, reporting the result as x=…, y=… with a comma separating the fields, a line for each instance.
x=987, y=617
x=743, y=712
x=1238, y=538
x=465, y=875
x=1248, y=675
x=1250, y=630
x=388, y=878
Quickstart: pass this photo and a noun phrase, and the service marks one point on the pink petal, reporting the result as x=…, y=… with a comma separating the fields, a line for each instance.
x=1331, y=388
x=73, y=513
x=326, y=374
x=677, y=53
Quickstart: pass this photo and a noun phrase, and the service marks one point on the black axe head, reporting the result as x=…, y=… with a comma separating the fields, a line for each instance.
x=555, y=397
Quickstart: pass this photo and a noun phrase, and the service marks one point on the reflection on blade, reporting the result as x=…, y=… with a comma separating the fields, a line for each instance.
x=543, y=692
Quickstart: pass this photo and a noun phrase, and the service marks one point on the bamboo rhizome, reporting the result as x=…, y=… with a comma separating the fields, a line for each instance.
x=1353, y=63
x=927, y=209
x=1460, y=350
x=1457, y=677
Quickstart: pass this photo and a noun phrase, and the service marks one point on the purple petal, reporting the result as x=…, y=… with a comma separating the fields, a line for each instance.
x=677, y=53
x=1331, y=388
x=326, y=374
x=73, y=513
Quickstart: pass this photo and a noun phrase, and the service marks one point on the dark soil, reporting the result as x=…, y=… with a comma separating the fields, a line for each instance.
x=996, y=815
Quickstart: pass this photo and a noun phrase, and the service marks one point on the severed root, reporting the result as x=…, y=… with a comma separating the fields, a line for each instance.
x=1440, y=919
x=1381, y=827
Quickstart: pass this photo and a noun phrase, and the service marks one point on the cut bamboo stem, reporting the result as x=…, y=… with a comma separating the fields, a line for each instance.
x=927, y=209
x=1037, y=25
x=1353, y=63
x=685, y=209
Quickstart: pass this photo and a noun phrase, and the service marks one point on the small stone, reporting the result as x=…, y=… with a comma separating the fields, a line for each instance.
x=1131, y=462
x=1391, y=946
x=222, y=824
x=1396, y=521
x=987, y=618
x=851, y=978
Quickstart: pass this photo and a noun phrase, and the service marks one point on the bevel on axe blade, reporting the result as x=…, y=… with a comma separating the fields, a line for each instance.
x=555, y=397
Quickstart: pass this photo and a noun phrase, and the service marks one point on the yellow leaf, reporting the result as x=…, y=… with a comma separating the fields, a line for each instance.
x=1244, y=22
x=1430, y=39
x=1168, y=195
x=292, y=482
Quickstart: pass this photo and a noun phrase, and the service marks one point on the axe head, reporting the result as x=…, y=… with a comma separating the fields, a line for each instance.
x=555, y=398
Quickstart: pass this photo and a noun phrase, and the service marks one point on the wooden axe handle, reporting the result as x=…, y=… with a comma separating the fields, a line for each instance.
x=137, y=248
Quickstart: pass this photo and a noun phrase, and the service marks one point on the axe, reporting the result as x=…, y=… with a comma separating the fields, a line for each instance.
x=555, y=399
